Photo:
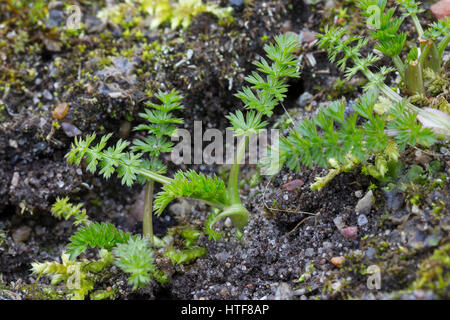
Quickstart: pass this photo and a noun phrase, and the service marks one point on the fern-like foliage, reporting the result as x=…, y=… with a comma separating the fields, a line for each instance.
x=333, y=135
x=110, y=160
x=390, y=42
x=62, y=209
x=96, y=235
x=128, y=165
x=161, y=121
x=132, y=254
x=191, y=184
x=410, y=7
x=343, y=48
x=136, y=257
x=251, y=123
x=160, y=126
x=438, y=28
x=407, y=130
x=269, y=88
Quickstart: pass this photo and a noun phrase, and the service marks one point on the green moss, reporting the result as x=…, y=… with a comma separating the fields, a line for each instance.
x=2, y=237
x=434, y=273
x=340, y=88
x=78, y=277
x=177, y=13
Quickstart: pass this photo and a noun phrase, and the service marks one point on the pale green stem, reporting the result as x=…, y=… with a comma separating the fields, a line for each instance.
x=417, y=25
x=423, y=55
x=147, y=221
x=147, y=173
x=238, y=214
x=233, y=181
x=414, y=78
x=154, y=176
x=429, y=58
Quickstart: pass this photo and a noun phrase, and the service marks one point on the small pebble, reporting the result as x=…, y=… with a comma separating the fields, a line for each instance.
x=228, y=223
x=299, y=292
x=21, y=234
x=370, y=253
x=236, y=3
x=13, y=144
x=338, y=221
x=61, y=110
x=178, y=209
x=350, y=232
x=422, y=158
x=302, y=101
x=337, y=261
x=293, y=185
x=327, y=245
x=308, y=36
x=15, y=179
x=362, y=220
x=441, y=9
x=336, y=285
x=284, y=292
x=365, y=204
x=47, y=95
x=309, y=252
x=70, y=130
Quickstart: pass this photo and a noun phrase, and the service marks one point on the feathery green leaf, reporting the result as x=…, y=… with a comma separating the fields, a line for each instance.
x=191, y=184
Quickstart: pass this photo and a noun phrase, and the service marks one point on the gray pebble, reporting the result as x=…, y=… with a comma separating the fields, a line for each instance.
x=362, y=220
x=21, y=234
x=70, y=130
x=365, y=204
x=309, y=252
x=302, y=101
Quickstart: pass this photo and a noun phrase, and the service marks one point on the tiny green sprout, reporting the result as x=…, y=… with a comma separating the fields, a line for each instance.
x=372, y=186
x=302, y=278
x=415, y=200
x=136, y=257
x=62, y=209
x=132, y=254
x=438, y=208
